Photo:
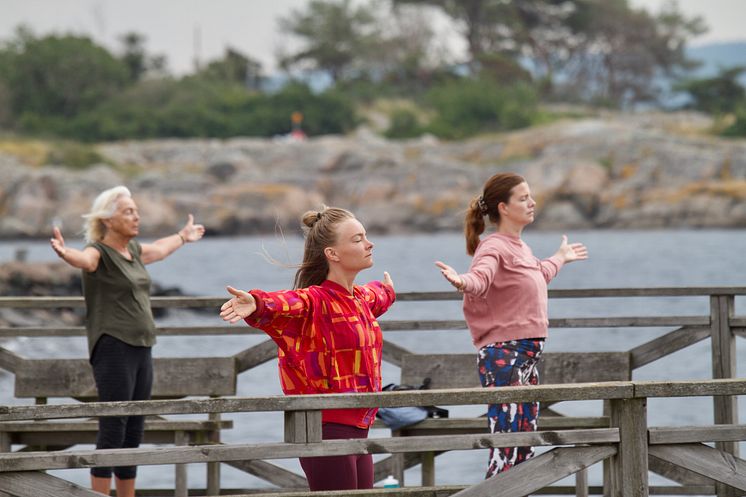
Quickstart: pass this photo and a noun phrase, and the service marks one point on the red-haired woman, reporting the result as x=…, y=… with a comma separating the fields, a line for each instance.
x=505, y=302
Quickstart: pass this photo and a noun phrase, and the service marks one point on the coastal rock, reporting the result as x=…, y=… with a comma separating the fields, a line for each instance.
x=644, y=170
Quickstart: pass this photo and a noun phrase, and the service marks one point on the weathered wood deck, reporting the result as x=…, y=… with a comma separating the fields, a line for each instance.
x=630, y=448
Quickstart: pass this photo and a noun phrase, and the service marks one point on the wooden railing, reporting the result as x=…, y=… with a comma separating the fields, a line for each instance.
x=628, y=443
x=720, y=324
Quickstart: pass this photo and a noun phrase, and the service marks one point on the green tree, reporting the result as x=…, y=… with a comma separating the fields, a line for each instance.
x=59, y=75
x=137, y=59
x=623, y=50
x=334, y=36
x=717, y=95
x=234, y=67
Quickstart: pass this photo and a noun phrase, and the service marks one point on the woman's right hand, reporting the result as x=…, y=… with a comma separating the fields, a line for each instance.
x=241, y=306
x=57, y=242
x=450, y=274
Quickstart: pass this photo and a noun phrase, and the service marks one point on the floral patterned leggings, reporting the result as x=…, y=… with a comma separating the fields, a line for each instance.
x=511, y=363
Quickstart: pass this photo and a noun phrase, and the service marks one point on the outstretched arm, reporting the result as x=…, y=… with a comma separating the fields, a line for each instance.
x=241, y=306
x=163, y=247
x=86, y=259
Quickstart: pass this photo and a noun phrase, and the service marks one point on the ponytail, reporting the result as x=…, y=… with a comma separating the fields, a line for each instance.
x=473, y=225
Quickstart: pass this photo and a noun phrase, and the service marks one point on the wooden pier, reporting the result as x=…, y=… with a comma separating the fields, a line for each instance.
x=619, y=437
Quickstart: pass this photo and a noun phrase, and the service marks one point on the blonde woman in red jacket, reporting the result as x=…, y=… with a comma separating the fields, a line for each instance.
x=505, y=302
x=327, y=335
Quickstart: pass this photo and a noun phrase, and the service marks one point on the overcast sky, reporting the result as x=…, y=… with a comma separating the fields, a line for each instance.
x=183, y=29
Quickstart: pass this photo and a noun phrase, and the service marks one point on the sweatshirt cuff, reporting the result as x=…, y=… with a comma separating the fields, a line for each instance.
x=467, y=282
x=254, y=317
x=557, y=262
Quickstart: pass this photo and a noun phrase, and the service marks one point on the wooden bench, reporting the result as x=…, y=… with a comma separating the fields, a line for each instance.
x=460, y=371
x=42, y=379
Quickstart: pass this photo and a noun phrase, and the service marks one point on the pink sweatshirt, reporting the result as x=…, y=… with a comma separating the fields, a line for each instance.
x=505, y=291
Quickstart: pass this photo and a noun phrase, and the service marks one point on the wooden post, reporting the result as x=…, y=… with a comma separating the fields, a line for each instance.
x=302, y=426
x=397, y=462
x=581, y=483
x=180, y=484
x=723, y=366
x=629, y=467
x=428, y=469
x=213, y=468
x=5, y=445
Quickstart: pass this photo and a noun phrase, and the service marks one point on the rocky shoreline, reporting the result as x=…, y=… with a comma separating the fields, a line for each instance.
x=608, y=171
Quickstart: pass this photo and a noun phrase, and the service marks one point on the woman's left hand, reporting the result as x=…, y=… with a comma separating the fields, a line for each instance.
x=387, y=279
x=192, y=232
x=570, y=252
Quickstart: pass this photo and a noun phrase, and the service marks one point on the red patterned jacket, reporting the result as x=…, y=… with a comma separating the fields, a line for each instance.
x=329, y=341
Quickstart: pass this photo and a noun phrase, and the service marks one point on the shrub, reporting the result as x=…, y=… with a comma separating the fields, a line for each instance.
x=403, y=124
x=467, y=107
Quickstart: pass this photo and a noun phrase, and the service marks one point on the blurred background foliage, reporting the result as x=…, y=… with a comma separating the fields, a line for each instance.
x=351, y=56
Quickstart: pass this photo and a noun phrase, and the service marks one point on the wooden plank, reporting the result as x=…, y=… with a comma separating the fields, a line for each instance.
x=452, y=426
x=313, y=426
x=295, y=427
x=604, y=322
x=428, y=469
x=689, y=388
x=629, y=322
x=539, y=472
x=439, y=491
x=696, y=434
x=213, y=468
x=723, y=366
x=151, y=424
x=667, y=344
x=271, y=473
x=645, y=292
x=255, y=356
x=678, y=474
x=10, y=361
x=172, y=377
x=393, y=353
x=210, y=453
x=445, y=397
x=581, y=483
x=79, y=331
x=181, y=488
x=421, y=324
x=706, y=461
x=37, y=484
x=388, y=465
x=629, y=467
x=460, y=370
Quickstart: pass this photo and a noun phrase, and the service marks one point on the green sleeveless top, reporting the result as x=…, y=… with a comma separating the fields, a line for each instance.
x=117, y=298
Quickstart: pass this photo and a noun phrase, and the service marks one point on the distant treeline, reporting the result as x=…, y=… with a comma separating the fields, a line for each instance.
x=380, y=55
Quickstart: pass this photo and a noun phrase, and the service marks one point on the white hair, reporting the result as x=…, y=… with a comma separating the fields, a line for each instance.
x=103, y=207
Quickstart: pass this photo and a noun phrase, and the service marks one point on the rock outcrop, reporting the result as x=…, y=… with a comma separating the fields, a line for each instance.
x=615, y=171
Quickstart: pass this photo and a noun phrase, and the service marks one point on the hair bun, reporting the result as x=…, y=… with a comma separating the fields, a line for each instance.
x=310, y=218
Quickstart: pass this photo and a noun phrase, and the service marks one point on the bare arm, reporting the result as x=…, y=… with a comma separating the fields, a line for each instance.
x=163, y=247
x=86, y=259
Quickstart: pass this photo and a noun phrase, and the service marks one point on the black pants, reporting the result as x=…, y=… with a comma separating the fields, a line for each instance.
x=122, y=372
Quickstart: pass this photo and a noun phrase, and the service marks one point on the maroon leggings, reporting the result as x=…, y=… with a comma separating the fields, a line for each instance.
x=339, y=472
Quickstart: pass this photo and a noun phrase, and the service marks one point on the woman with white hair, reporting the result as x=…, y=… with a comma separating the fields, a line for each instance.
x=119, y=321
